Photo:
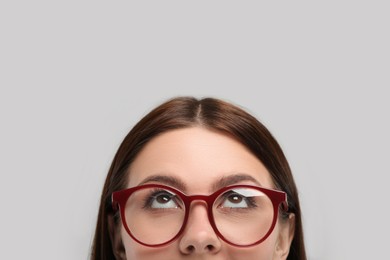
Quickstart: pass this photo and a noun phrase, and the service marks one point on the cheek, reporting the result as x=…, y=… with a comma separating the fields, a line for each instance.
x=264, y=251
x=135, y=251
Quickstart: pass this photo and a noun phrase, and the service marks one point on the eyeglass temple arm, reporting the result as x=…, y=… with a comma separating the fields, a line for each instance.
x=284, y=204
x=114, y=202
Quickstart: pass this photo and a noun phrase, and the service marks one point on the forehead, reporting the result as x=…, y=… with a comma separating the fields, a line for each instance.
x=198, y=158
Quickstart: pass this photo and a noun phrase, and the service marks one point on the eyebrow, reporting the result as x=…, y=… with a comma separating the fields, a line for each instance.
x=167, y=180
x=180, y=185
x=234, y=179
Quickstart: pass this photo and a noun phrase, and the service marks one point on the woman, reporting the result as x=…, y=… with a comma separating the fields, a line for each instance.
x=199, y=179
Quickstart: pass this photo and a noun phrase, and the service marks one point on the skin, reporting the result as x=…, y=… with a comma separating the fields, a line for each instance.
x=199, y=159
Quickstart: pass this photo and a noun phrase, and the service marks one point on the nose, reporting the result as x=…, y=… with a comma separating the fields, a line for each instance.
x=199, y=237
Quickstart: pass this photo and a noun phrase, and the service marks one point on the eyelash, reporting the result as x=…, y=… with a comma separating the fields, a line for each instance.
x=249, y=200
x=148, y=200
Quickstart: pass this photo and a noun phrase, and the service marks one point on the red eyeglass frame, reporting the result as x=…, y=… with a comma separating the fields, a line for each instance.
x=119, y=199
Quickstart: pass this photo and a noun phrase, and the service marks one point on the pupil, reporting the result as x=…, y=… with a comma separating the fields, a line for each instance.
x=235, y=199
x=162, y=199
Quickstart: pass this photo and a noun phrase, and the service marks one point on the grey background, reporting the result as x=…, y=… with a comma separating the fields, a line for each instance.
x=75, y=76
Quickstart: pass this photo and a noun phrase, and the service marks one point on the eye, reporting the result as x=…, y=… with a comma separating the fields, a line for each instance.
x=162, y=200
x=232, y=199
x=239, y=198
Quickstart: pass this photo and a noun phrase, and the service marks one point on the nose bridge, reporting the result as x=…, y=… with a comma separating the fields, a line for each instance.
x=204, y=198
x=196, y=203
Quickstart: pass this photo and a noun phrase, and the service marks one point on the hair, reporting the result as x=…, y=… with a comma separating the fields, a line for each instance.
x=212, y=114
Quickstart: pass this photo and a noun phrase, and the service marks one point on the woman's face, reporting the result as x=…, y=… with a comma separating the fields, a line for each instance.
x=196, y=160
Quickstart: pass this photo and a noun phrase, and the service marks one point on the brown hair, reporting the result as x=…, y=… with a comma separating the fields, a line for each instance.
x=216, y=115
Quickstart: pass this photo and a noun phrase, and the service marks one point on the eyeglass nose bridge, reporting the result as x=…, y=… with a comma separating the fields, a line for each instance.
x=209, y=201
x=206, y=198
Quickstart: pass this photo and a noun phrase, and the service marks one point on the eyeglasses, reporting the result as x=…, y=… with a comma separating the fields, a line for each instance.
x=241, y=215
